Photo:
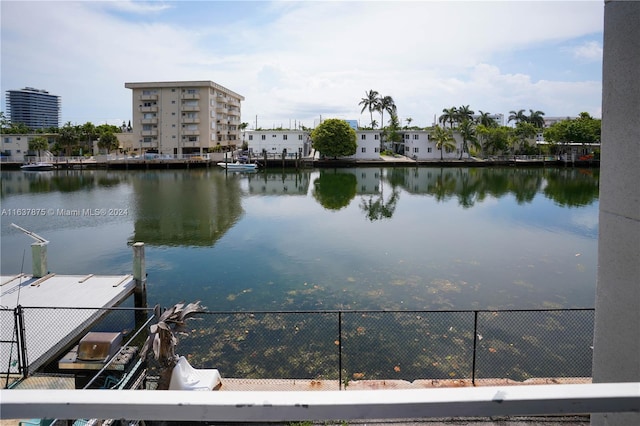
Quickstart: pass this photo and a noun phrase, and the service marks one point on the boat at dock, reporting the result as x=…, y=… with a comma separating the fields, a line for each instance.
x=238, y=166
x=40, y=166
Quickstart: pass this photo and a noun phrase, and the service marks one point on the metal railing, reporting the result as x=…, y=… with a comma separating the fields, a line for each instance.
x=470, y=345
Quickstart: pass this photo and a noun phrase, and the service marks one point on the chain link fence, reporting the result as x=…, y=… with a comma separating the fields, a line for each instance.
x=351, y=345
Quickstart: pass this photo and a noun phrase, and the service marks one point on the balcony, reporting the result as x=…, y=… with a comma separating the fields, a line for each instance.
x=190, y=120
x=190, y=107
x=186, y=132
x=148, y=97
x=148, y=108
x=190, y=96
x=153, y=132
x=149, y=121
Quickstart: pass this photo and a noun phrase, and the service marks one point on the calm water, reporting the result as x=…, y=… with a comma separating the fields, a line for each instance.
x=362, y=238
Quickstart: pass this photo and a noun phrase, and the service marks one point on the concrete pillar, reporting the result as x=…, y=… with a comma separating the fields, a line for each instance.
x=139, y=275
x=39, y=259
x=616, y=354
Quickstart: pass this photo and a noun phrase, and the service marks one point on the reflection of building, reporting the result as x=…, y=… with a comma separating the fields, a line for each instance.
x=164, y=216
x=184, y=117
x=37, y=109
x=279, y=183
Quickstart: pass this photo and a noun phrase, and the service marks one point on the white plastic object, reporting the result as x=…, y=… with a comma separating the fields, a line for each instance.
x=185, y=377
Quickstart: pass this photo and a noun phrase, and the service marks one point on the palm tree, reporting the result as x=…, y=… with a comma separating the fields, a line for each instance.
x=408, y=120
x=464, y=113
x=485, y=119
x=467, y=130
x=536, y=118
x=370, y=102
x=39, y=143
x=517, y=116
x=444, y=139
x=450, y=115
x=386, y=103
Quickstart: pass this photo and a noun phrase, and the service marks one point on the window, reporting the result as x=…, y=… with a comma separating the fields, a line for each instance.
x=363, y=137
x=299, y=137
x=406, y=136
x=273, y=136
x=416, y=150
x=264, y=137
x=376, y=149
x=250, y=137
x=7, y=140
x=429, y=149
x=363, y=149
x=284, y=137
x=376, y=137
x=416, y=137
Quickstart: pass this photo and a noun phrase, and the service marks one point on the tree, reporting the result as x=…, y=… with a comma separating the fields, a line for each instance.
x=108, y=141
x=536, y=118
x=584, y=129
x=464, y=113
x=517, y=117
x=386, y=103
x=68, y=137
x=467, y=131
x=485, y=119
x=408, y=120
x=370, y=102
x=39, y=143
x=444, y=139
x=334, y=138
x=162, y=340
x=522, y=135
x=88, y=134
x=495, y=140
x=450, y=115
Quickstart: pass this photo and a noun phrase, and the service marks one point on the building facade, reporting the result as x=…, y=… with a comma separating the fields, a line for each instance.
x=35, y=108
x=184, y=117
x=274, y=142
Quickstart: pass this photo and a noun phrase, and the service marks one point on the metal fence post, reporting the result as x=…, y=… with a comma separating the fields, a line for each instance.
x=339, y=350
x=475, y=342
x=20, y=341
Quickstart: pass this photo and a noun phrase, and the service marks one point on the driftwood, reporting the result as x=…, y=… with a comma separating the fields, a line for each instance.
x=162, y=338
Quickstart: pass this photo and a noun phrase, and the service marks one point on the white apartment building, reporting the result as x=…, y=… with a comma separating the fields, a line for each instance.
x=15, y=147
x=184, y=117
x=368, y=145
x=419, y=146
x=274, y=142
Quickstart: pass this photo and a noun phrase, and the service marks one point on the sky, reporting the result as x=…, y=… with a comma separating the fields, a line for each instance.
x=297, y=61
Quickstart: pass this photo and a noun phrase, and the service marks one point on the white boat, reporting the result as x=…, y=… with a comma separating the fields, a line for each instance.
x=37, y=167
x=238, y=166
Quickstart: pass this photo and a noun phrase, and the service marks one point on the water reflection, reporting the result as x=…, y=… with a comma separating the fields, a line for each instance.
x=334, y=189
x=393, y=238
x=185, y=209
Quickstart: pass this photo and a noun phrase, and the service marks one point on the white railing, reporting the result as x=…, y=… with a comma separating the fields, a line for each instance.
x=281, y=406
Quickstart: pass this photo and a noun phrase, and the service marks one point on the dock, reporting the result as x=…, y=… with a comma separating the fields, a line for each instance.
x=48, y=327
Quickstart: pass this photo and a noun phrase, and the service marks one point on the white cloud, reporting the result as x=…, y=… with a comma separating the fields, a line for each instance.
x=296, y=60
x=589, y=51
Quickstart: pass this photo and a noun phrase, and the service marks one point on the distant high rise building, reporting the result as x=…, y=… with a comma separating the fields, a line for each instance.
x=185, y=117
x=37, y=109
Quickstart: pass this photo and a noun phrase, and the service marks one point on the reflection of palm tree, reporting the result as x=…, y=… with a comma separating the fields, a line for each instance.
x=379, y=209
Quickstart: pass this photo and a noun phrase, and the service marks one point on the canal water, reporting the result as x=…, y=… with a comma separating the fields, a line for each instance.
x=359, y=238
